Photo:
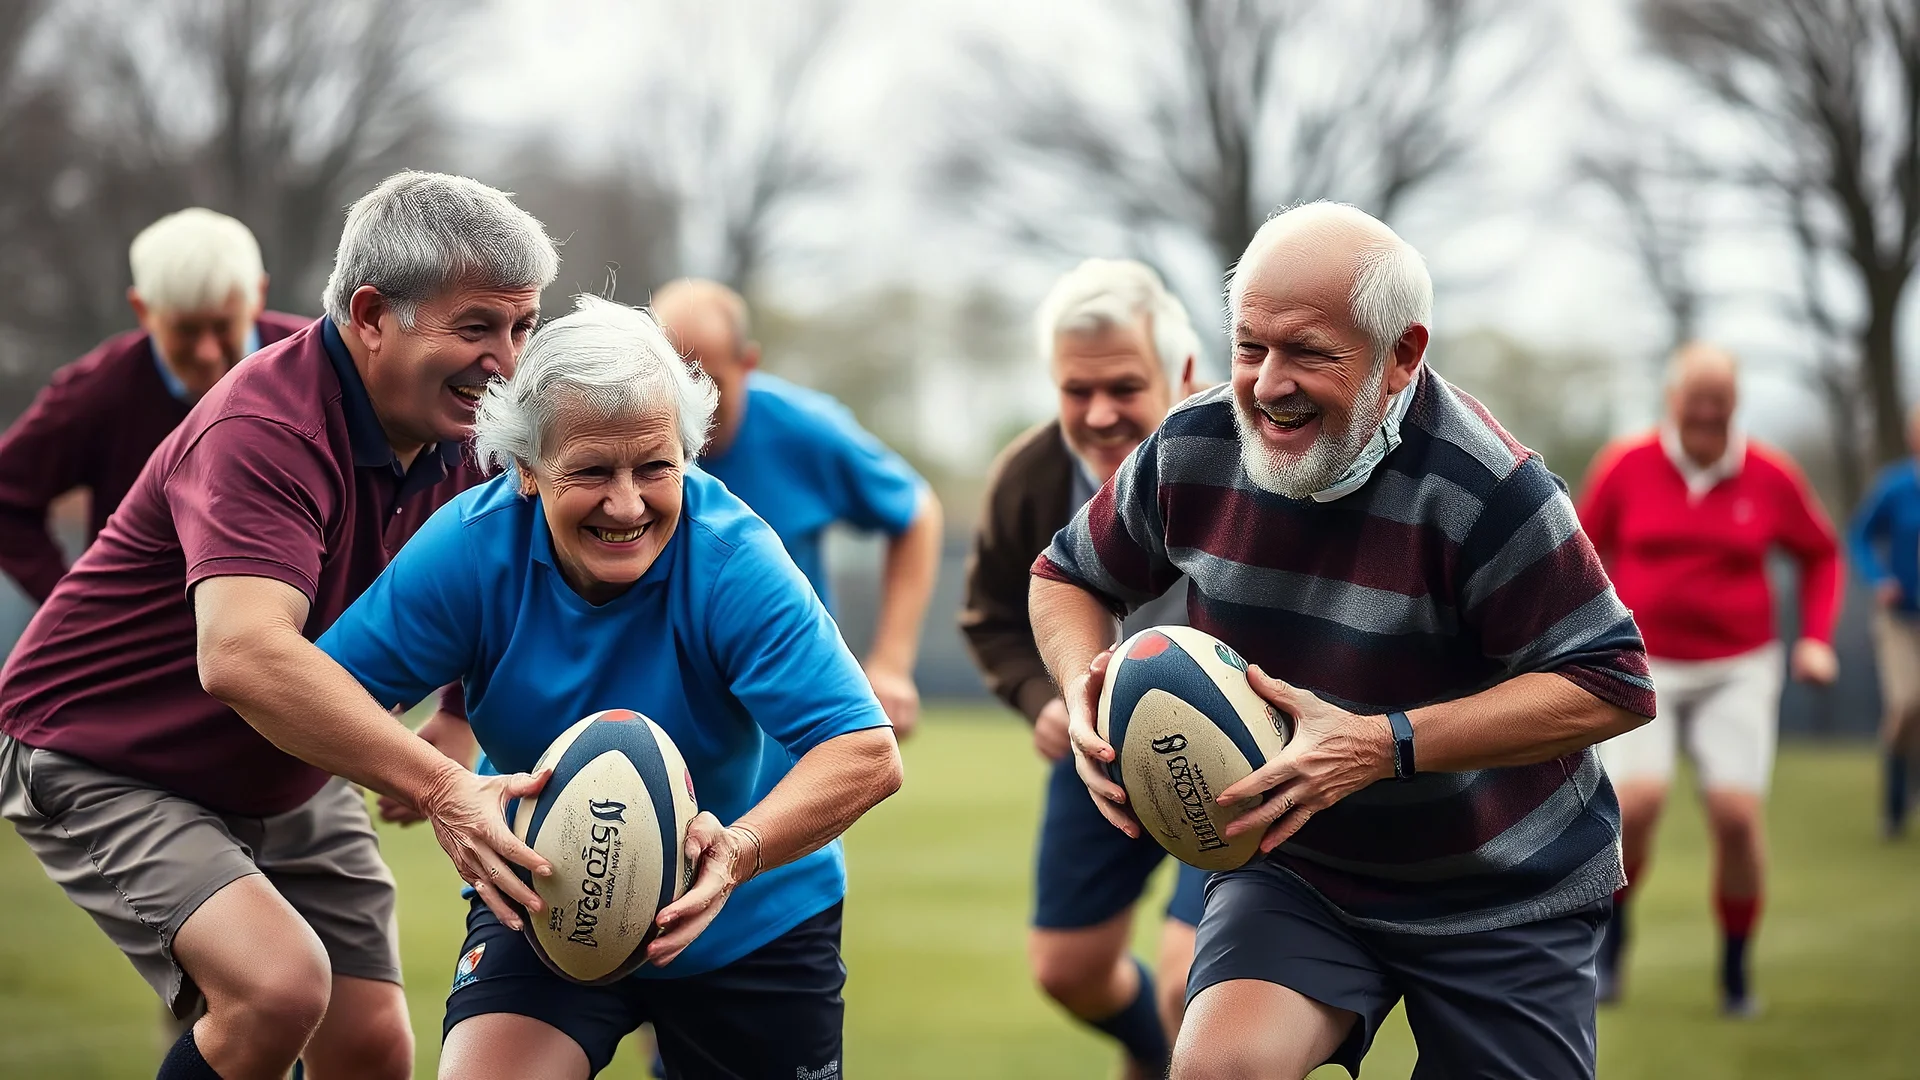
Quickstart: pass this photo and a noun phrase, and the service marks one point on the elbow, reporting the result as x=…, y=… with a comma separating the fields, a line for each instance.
x=889, y=771
x=223, y=666
x=1616, y=721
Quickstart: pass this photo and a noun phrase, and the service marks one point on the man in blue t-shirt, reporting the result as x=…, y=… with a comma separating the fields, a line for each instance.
x=1885, y=544
x=801, y=461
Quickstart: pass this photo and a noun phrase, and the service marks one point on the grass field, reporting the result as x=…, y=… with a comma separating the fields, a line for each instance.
x=935, y=942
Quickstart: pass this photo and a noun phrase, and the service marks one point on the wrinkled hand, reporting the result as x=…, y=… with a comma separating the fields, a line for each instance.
x=451, y=736
x=899, y=697
x=722, y=857
x=469, y=819
x=1333, y=754
x=1050, y=730
x=1814, y=662
x=1887, y=594
x=1090, y=751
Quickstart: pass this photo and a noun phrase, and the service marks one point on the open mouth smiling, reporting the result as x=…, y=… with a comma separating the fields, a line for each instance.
x=617, y=536
x=1287, y=417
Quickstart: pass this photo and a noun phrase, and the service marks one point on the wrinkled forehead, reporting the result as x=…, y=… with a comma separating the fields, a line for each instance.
x=1298, y=278
x=584, y=427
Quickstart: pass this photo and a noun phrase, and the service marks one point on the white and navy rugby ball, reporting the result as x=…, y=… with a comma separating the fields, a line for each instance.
x=1185, y=725
x=613, y=822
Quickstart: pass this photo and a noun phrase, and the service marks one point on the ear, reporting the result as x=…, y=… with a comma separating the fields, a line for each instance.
x=140, y=309
x=750, y=356
x=527, y=486
x=1408, y=353
x=260, y=301
x=1188, y=385
x=367, y=311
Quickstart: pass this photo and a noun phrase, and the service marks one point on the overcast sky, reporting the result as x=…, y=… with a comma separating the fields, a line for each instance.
x=1522, y=249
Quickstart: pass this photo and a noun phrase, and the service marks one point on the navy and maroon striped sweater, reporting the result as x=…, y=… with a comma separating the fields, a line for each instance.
x=1459, y=564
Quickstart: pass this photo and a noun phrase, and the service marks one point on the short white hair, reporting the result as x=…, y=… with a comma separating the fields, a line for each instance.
x=419, y=233
x=609, y=359
x=195, y=260
x=1392, y=290
x=1103, y=293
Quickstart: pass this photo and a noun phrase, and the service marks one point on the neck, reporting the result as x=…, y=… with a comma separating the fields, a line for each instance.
x=726, y=421
x=405, y=447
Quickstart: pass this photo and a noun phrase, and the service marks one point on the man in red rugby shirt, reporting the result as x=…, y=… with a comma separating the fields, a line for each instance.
x=159, y=756
x=198, y=291
x=1684, y=518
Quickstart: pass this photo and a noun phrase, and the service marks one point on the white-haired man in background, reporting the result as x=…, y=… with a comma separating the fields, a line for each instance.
x=1120, y=350
x=1439, y=828
x=199, y=291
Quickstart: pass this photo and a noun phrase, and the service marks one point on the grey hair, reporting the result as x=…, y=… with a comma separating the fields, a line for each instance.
x=1392, y=290
x=1101, y=293
x=609, y=359
x=420, y=232
x=195, y=260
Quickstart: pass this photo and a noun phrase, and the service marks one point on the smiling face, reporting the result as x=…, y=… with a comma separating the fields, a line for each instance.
x=1307, y=389
x=610, y=490
x=200, y=345
x=426, y=380
x=1113, y=392
x=1701, y=397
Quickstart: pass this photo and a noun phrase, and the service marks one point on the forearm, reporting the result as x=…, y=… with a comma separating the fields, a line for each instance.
x=1070, y=627
x=1526, y=720
x=823, y=795
x=1820, y=595
x=309, y=706
x=906, y=587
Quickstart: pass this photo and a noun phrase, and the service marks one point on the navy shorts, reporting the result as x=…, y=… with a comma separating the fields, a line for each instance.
x=1509, y=1003
x=776, y=1011
x=1087, y=871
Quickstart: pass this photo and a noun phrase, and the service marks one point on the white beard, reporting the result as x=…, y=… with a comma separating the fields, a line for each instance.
x=1298, y=476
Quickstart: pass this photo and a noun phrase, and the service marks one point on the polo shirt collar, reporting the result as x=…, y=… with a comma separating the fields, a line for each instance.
x=1700, y=480
x=364, y=433
x=1385, y=440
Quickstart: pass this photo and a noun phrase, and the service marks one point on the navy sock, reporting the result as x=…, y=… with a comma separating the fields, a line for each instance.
x=1137, y=1027
x=184, y=1062
x=1896, y=790
x=1733, y=967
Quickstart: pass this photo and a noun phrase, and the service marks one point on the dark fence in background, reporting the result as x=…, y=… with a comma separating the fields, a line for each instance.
x=1849, y=709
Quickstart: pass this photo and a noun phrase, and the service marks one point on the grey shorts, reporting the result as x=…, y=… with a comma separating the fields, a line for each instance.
x=1509, y=1004
x=141, y=860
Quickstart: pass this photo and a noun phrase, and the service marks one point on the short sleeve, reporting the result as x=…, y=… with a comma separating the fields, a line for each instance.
x=253, y=497
x=877, y=490
x=780, y=652
x=416, y=628
x=1534, y=592
x=1115, y=546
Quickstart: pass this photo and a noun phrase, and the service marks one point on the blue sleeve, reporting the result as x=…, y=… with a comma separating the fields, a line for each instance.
x=1870, y=526
x=877, y=491
x=781, y=653
x=416, y=628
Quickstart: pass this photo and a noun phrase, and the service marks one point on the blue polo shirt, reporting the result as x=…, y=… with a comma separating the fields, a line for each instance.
x=1884, y=538
x=722, y=643
x=803, y=462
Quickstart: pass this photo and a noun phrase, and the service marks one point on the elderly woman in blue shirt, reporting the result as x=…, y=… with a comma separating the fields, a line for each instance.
x=601, y=570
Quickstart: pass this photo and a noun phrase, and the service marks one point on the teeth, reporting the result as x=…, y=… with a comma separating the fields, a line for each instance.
x=471, y=393
x=619, y=536
x=1288, y=419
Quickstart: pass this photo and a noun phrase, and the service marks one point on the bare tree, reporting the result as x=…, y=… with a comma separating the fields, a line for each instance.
x=722, y=126
x=1832, y=91
x=1246, y=105
x=1655, y=184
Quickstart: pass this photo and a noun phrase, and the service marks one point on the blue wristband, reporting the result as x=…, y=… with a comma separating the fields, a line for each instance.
x=1402, y=745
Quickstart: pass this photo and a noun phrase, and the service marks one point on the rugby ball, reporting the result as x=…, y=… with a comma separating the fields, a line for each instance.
x=1185, y=725
x=613, y=822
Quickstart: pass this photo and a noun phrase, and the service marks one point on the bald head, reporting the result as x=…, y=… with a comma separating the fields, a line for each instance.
x=1338, y=258
x=1703, y=383
x=707, y=322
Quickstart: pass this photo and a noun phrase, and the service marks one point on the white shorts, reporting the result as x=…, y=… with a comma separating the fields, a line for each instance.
x=1727, y=710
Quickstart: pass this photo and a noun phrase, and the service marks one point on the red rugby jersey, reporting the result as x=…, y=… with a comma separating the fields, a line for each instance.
x=1694, y=571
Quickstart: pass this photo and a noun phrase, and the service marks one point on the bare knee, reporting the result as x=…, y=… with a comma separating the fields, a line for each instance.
x=375, y=1044
x=276, y=1006
x=1737, y=828
x=1076, y=979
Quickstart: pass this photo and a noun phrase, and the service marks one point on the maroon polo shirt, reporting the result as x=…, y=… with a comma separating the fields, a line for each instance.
x=93, y=426
x=282, y=471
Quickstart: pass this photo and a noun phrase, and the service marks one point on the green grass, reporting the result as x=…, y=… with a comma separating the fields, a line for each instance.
x=935, y=941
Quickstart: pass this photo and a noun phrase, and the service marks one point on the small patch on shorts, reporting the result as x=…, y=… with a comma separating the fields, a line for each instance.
x=463, y=973
x=829, y=1071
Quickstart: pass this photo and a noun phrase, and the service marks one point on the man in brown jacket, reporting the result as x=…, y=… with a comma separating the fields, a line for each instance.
x=1119, y=347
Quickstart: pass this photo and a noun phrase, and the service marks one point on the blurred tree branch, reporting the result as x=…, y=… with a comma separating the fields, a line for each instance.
x=1245, y=106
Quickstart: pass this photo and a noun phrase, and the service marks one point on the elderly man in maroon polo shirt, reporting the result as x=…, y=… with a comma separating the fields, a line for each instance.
x=199, y=291
x=218, y=852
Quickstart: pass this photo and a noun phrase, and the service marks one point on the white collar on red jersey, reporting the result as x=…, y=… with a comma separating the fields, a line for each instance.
x=1702, y=479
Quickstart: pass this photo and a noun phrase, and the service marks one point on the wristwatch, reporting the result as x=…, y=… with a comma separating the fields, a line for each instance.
x=1402, y=745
